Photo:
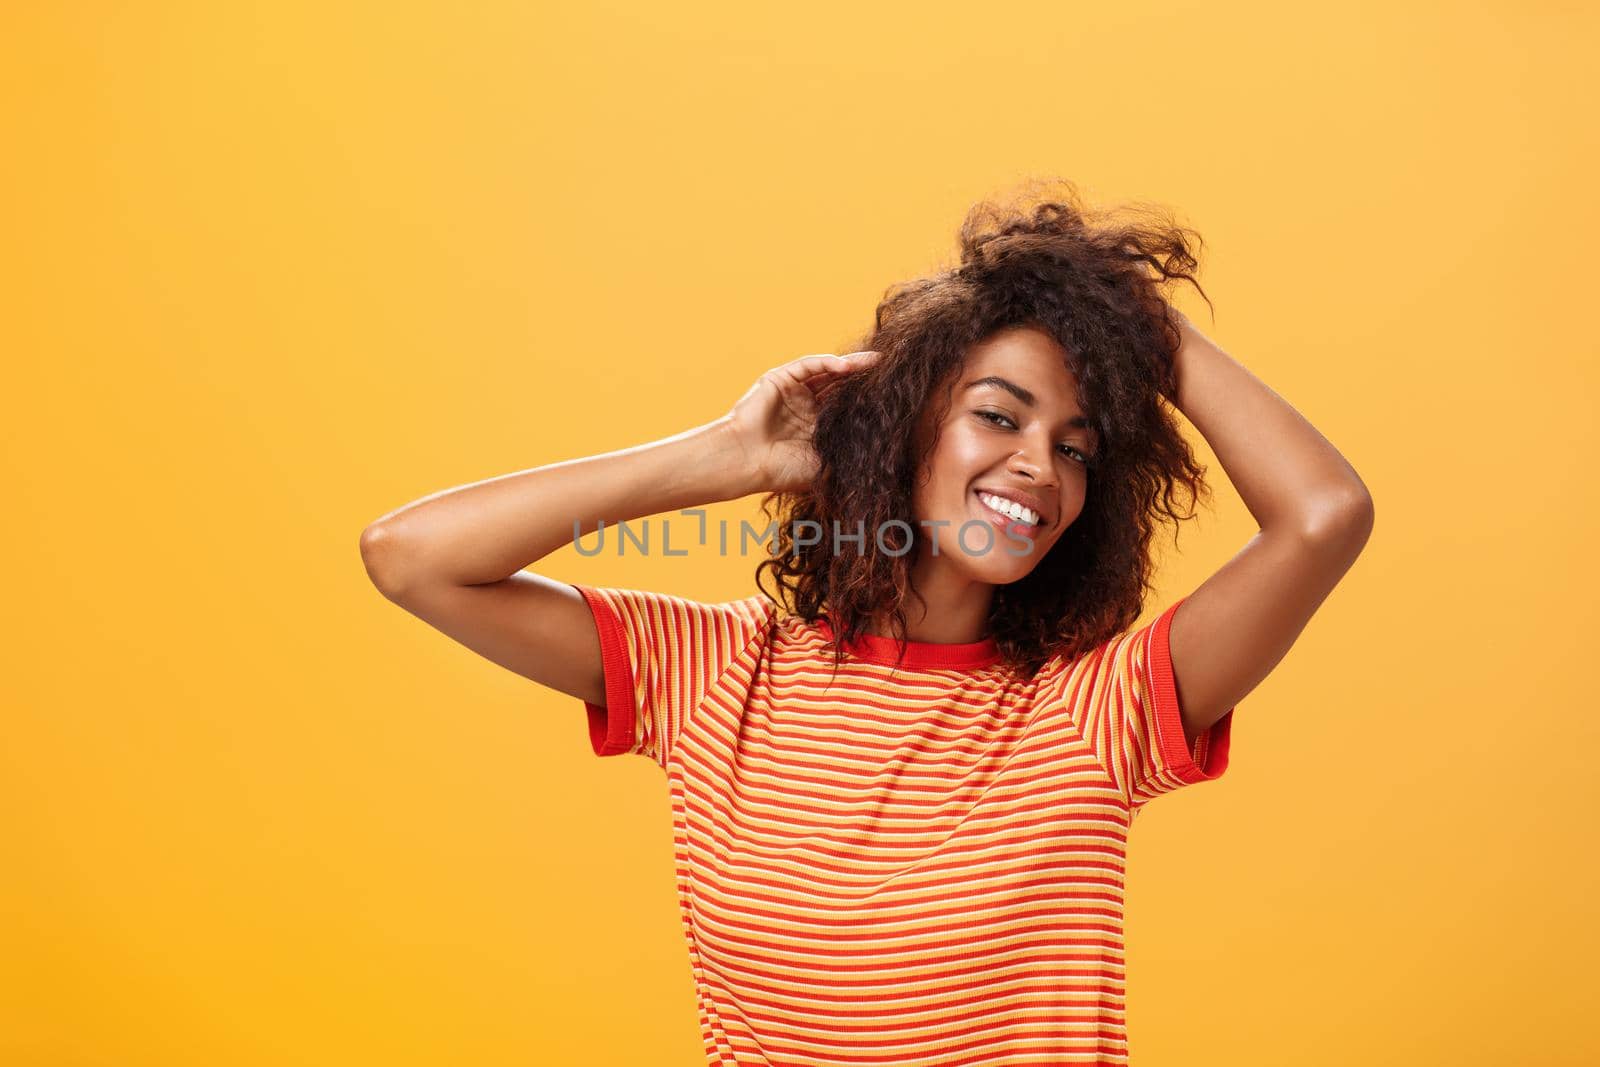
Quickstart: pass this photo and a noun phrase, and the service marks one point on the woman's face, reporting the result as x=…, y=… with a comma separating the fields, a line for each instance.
x=1013, y=430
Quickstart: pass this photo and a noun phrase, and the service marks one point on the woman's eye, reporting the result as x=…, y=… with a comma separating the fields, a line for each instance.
x=994, y=418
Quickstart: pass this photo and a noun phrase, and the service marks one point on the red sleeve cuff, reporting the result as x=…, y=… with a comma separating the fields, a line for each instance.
x=1210, y=756
x=611, y=728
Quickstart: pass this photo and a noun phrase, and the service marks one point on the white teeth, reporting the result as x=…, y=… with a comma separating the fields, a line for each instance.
x=1010, y=508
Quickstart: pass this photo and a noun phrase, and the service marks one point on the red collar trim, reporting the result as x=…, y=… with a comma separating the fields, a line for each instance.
x=886, y=650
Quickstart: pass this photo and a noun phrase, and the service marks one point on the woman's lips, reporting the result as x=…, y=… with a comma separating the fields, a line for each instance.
x=1015, y=527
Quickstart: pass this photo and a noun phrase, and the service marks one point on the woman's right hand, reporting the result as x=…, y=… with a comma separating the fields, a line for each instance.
x=774, y=420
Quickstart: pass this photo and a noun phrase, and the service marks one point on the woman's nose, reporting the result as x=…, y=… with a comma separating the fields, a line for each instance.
x=1023, y=462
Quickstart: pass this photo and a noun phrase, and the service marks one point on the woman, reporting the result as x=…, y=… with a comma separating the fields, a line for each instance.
x=901, y=801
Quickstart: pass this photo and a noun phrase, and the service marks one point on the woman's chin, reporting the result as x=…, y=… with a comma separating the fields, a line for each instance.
x=999, y=566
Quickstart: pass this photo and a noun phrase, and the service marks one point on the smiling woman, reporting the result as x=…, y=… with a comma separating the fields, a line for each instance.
x=918, y=855
x=1005, y=432
x=1034, y=370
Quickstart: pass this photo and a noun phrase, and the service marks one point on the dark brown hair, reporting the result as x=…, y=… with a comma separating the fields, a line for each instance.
x=1081, y=275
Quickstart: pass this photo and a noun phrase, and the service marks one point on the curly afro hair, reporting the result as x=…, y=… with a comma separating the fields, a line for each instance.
x=1088, y=277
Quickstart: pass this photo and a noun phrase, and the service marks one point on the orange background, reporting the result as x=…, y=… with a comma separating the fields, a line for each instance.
x=274, y=270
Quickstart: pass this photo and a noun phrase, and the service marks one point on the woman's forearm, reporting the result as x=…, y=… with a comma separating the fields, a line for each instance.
x=489, y=530
x=1287, y=473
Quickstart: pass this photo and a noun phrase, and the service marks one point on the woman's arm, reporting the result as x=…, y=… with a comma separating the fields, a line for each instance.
x=1315, y=515
x=489, y=530
x=1287, y=474
x=455, y=559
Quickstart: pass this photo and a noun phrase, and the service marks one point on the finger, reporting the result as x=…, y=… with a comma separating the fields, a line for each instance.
x=826, y=385
x=807, y=369
x=850, y=361
x=806, y=366
x=814, y=370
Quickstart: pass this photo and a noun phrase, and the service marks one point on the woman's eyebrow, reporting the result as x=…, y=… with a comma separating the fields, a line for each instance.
x=1028, y=399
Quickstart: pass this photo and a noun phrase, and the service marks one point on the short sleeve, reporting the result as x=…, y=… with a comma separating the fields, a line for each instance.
x=1123, y=696
x=662, y=654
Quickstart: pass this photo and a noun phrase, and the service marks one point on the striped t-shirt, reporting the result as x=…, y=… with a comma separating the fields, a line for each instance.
x=919, y=863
